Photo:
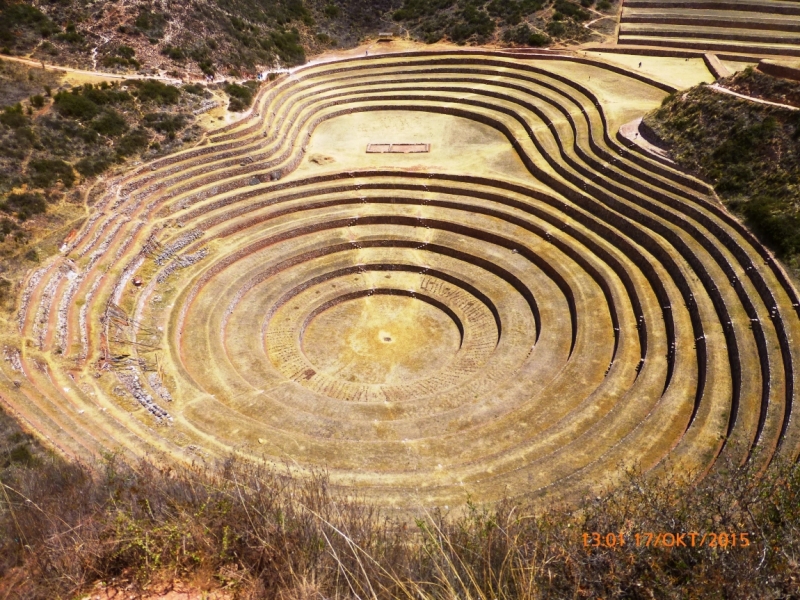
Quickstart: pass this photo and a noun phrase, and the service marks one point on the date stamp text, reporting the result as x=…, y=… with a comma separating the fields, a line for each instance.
x=667, y=539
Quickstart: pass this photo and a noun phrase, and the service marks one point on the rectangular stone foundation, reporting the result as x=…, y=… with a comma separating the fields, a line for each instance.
x=397, y=148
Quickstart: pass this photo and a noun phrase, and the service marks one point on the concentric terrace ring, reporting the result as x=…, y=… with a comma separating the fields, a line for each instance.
x=532, y=322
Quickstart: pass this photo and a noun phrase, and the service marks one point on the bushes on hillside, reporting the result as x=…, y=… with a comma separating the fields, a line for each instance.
x=476, y=21
x=523, y=36
x=165, y=122
x=110, y=123
x=24, y=205
x=512, y=11
x=286, y=44
x=750, y=152
x=90, y=166
x=123, y=56
x=21, y=24
x=132, y=143
x=570, y=9
x=75, y=105
x=84, y=102
x=7, y=227
x=173, y=52
x=414, y=9
x=241, y=95
x=12, y=116
x=151, y=24
x=44, y=173
x=152, y=90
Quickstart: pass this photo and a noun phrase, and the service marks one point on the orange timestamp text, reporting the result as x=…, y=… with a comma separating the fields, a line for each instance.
x=667, y=539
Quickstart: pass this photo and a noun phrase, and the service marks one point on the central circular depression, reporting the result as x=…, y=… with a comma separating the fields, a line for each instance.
x=381, y=339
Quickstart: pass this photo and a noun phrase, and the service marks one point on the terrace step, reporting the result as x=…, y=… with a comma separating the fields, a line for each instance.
x=752, y=48
x=608, y=308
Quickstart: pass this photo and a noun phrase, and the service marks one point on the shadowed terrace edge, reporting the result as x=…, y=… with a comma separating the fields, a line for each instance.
x=528, y=308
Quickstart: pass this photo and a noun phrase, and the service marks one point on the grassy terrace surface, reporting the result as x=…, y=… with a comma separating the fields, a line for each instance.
x=758, y=27
x=598, y=309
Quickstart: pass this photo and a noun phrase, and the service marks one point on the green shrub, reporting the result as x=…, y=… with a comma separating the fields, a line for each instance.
x=770, y=217
x=103, y=94
x=118, y=61
x=512, y=11
x=37, y=101
x=75, y=105
x=110, y=123
x=18, y=16
x=474, y=22
x=571, y=10
x=286, y=44
x=164, y=122
x=132, y=143
x=331, y=10
x=173, y=52
x=194, y=89
x=21, y=454
x=7, y=226
x=152, y=90
x=45, y=173
x=125, y=52
x=151, y=24
x=414, y=9
x=49, y=48
x=93, y=165
x=206, y=66
x=241, y=95
x=71, y=35
x=12, y=116
x=523, y=36
x=123, y=57
x=556, y=29
x=24, y=205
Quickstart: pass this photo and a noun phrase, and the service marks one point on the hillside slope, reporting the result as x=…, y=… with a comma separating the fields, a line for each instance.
x=750, y=152
x=240, y=37
x=514, y=22
x=231, y=36
x=57, y=140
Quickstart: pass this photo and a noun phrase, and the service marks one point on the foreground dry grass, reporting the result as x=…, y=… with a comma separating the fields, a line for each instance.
x=258, y=534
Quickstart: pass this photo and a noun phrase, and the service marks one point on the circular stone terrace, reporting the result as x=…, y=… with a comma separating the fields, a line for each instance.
x=499, y=299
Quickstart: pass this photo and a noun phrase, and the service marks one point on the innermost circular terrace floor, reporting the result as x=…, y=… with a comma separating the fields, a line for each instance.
x=457, y=145
x=381, y=340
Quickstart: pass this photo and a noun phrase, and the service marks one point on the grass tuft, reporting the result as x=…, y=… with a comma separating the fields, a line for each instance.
x=262, y=533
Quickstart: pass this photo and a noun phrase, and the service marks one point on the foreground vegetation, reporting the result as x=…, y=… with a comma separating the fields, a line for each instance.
x=750, y=152
x=258, y=533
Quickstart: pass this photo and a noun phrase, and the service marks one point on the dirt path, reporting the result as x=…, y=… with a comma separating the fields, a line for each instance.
x=630, y=131
x=84, y=72
x=724, y=90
